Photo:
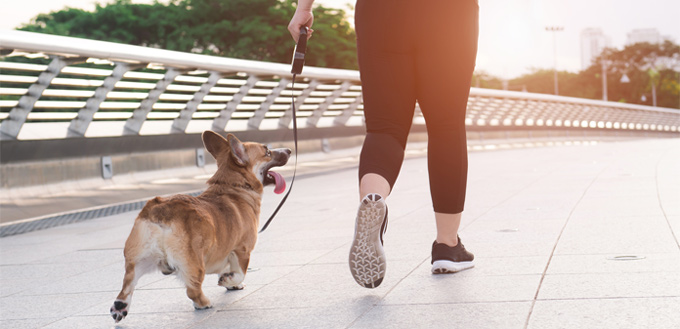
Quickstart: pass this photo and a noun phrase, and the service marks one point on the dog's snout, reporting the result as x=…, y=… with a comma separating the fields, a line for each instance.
x=288, y=151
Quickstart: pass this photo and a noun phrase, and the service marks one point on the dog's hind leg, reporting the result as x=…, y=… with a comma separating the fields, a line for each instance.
x=193, y=274
x=136, y=265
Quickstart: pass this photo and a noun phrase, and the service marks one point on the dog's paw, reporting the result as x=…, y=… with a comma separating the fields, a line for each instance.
x=231, y=281
x=119, y=310
x=237, y=287
x=199, y=307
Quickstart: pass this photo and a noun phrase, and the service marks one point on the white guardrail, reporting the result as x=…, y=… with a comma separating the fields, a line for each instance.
x=89, y=88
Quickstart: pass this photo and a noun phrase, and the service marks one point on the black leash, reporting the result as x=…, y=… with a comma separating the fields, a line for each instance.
x=298, y=63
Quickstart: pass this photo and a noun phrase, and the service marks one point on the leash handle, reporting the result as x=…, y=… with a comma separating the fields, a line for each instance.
x=299, y=52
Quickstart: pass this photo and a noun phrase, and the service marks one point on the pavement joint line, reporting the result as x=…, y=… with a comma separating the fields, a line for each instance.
x=658, y=197
x=557, y=241
x=387, y=293
x=501, y=202
x=608, y=298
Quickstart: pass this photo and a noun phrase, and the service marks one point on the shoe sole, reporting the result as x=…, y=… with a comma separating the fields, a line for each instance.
x=367, y=256
x=447, y=266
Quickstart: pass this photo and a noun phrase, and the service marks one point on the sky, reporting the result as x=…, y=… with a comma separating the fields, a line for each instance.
x=512, y=38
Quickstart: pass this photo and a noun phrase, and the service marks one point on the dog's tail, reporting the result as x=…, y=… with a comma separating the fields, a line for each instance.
x=155, y=211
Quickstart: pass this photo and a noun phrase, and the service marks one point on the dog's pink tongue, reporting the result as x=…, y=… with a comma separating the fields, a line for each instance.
x=279, y=181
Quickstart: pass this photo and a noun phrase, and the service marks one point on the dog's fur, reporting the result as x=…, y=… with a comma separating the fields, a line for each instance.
x=213, y=233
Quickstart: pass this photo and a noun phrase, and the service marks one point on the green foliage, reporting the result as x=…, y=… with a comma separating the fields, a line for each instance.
x=481, y=79
x=645, y=64
x=248, y=29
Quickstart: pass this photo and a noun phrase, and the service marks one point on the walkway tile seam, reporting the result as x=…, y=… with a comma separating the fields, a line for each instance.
x=557, y=241
x=70, y=313
x=114, y=291
x=213, y=310
x=382, y=299
x=663, y=210
x=606, y=298
x=53, y=320
x=60, y=279
x=376, y=305
x=609, y=254
x=658, y=194
x=520, y=190
x=610, y=273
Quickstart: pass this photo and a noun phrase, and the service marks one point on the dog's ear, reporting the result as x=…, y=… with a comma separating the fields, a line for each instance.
x=214, y=143
x=238, y=151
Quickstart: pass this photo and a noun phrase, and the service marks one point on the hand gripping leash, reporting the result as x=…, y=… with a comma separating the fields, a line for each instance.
x=298, y=63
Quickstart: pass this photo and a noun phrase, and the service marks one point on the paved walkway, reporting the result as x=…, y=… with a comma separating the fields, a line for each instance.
x=578, y=236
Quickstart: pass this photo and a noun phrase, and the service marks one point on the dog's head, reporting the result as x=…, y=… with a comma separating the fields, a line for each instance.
x=245, y=164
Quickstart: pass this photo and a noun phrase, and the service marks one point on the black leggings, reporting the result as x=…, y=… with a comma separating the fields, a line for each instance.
x=420, y=50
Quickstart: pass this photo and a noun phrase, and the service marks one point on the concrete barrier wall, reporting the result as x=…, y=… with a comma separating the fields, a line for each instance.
x=19, y=174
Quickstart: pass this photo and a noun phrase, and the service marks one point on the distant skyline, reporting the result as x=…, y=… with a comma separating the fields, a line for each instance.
x=512, y=32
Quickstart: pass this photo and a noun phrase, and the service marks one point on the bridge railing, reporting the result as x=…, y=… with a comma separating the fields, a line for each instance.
x=55, y=87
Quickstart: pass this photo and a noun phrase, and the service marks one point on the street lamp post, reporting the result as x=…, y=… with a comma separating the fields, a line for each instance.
x=604, y=79
x=555, y=29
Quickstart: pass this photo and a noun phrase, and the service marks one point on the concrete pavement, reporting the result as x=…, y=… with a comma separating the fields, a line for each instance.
x=565, y=236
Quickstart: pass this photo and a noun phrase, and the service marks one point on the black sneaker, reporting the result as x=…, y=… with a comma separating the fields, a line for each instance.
x=366, y=256
x=447, y=259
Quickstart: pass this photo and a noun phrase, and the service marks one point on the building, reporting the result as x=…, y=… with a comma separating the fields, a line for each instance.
x=644, y=35
x=593, y=42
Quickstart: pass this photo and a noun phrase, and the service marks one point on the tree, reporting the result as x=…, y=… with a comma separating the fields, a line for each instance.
x=482, y=79
x=248, y=29
x=543, y=81
x=650, y=69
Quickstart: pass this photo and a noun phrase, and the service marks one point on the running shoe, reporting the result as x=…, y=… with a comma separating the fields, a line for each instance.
x=447, y=259
x=366, y=256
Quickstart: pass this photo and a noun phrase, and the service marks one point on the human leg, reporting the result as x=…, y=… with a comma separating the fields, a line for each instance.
x=373, y=183
x=386, y=68
x=447, y=228
x=445, y=63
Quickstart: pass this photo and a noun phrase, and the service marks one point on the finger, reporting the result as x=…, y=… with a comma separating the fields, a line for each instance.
x=294, y=32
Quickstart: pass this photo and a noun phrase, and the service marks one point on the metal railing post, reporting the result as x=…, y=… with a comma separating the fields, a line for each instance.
x=287, y=117
x=78, y=126
x=10, y=127
x=220, y=123
x=313, y=120
x=259, y=115
x=180, y=124
x=134, y=124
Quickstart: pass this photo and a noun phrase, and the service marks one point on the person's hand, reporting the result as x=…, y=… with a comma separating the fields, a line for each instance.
x=300, y=19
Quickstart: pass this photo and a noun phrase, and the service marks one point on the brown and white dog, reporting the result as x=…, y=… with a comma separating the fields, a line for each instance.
x=213, y=233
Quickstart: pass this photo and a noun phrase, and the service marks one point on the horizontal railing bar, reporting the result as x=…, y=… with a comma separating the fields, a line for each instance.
x=59, y=45
x=23, y=66
x=241, y=91
x=560, y=99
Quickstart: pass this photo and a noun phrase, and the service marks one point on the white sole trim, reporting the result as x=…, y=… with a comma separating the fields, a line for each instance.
x=447, y=266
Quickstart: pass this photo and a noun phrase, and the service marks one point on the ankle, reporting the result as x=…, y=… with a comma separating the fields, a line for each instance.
x=449, y=241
